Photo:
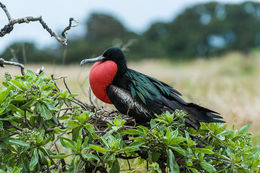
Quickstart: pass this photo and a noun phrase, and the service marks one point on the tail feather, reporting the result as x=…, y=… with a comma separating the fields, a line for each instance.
x=213, y=115
x=203, y=114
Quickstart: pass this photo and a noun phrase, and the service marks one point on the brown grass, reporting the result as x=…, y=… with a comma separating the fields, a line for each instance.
x=229, y=85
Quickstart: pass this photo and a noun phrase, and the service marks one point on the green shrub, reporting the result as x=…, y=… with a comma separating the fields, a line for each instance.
x=45, y=129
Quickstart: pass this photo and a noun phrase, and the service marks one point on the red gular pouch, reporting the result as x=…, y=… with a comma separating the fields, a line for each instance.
x=100, y=77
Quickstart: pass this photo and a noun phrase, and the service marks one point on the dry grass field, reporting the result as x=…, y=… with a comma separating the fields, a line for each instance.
x=229, y=85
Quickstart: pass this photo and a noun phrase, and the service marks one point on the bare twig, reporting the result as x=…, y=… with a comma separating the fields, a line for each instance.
x=6, y=12
x=68, y=27
x=10, y=26
x=39, y=71
x=17, y=128
x=56, y=139
x=89, y=96
x=65, y=84
x=3, y=63
x=12, y=133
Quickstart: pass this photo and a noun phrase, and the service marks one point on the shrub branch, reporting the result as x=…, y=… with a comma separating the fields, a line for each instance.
x=10, y=26
x=3, y=63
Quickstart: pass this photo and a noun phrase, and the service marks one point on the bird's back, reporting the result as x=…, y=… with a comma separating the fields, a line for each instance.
x=141, y=96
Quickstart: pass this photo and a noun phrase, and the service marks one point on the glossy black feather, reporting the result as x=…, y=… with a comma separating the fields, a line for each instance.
x=156, y=97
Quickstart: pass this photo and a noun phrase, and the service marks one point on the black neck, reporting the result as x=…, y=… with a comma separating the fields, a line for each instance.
x=121, y=70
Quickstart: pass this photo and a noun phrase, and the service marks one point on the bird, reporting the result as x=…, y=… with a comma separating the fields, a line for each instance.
x=138, y=95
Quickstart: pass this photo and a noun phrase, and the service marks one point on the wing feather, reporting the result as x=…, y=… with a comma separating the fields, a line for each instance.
x=156, y=97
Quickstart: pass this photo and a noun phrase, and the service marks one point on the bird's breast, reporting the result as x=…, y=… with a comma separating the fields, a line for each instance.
x=100, y=77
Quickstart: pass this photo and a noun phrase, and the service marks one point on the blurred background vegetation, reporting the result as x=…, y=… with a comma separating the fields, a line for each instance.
x=203, y=30
x=210, y=53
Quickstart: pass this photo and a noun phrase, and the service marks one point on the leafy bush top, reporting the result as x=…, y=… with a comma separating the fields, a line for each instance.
x=44, y=129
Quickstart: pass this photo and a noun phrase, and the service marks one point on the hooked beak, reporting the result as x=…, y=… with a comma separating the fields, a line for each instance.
x=91, y=60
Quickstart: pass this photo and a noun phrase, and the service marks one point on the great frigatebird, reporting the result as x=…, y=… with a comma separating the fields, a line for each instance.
x=138, y=95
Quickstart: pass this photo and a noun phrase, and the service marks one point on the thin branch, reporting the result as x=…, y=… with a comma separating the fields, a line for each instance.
x=6, y=12
x=56, y=139
x=39, y=71
x=68, y=27
x=65, y=84
x=82, y=105
x=3, y=63
x=17, y=128
x=89, y=96
x=10, y=26
x=13, y=133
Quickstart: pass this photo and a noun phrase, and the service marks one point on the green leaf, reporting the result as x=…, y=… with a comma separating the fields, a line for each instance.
x=4, y=94
x=152, y=123
x=16, y=170
x=67, y=143
x=73, y=123
x=73, y=95
x=47, y=140
x=60, y=156
x=34, y=159
x=155, y=156
x=42, y=157
x=65, y=117
x=98, y=148
x=172, y=162
x=143, y=129
x=25, y=163
x=1, y=126
x=18, y=84
x=8, y=118
x=207, y=166
x=82, y=117
x=15, y=109
x=203, y=150
x=29, y=104
x=2, y=110
x=115, y=167
x=118, y=121
x=189, y=140
x=244, y=129
x=221, y=137
x=189, y=162
x=178, y=149
x=16, y=142
x=19, y=97
x=129, y=149
x=79, y=141
x=132, y=132
x=76, y=133
x=58, y=130
x=30, y=73
x=88, y=156
x=193, y=170
x=90, y=128
x=178, y=140
x=44, y=111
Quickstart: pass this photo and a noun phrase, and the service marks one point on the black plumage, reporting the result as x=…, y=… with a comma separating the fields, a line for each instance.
x=141, y=96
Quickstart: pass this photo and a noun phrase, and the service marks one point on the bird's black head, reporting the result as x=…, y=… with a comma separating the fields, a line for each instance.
x=115, y=54
x=112, y=54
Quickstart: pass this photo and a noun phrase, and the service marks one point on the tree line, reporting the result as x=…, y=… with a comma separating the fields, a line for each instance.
x=203, y=30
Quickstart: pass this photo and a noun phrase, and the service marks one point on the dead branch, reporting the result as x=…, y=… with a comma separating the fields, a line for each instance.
x=3, y=63
x=10, y=26
x=39, y=71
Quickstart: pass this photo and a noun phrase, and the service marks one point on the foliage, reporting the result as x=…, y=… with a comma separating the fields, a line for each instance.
x=43, y=129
